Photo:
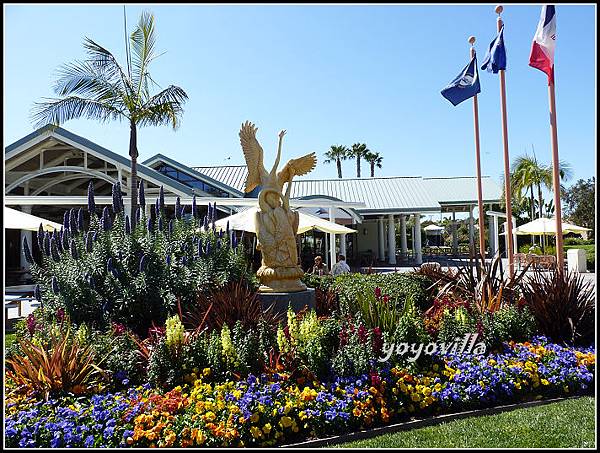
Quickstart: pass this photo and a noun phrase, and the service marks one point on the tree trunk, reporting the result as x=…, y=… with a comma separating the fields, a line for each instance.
x=339, y=167
x=532, y=213
x=133, y=191
x=541, y=201
x=358, y=166
x=372, y=169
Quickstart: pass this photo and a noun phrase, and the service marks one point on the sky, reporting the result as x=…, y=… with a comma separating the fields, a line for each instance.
x=329, y=75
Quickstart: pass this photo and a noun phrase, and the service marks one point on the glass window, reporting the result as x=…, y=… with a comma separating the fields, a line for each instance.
x=190, y=181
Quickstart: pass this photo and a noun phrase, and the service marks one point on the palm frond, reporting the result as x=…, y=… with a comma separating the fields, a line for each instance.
x=163, y=108
x=103, y=60
x=143, y=40
x=58, y=111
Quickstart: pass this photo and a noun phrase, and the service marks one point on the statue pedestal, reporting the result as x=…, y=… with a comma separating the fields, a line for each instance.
x=298, y=300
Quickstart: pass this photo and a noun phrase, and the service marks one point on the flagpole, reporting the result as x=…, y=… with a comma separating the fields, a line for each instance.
x=507, y=191
x=478, y=164
x=560, y=259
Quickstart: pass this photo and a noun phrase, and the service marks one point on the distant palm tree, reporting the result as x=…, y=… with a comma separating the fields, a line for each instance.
x=526, y=173
x=337, y=153
x=99, y=88
x=358, y=151
x=374, y=159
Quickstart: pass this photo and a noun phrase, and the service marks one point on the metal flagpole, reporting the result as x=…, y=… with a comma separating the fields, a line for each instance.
x=507, y=191
x=560, y=259
x=478, y=163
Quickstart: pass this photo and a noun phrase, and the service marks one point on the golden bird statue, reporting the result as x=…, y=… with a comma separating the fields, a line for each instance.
x=276, y=225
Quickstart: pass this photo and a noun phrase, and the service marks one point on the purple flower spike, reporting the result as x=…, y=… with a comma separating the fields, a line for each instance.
x=143, y=262
x=54, y=250
x=161, y=198
x=199, y=247
x=73, y=250
x=91, y=200
x=89, y=242
x=171, y=223
x=178, y=208
x=80, y=219
x=160, y=224
x=194, y=207
x=127, y=225
x=37, y=293
x=26, y=251
x=46, y=247
x=40, y=237
x=142, y=195
x=55, y=287
x=73, y=221
x=66, y=220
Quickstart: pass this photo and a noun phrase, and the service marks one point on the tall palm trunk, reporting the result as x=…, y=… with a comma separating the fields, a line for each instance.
x=339, y=167
x=373, y=169
x=133, y=190
x=541, y=201
x=532, y=212
x=358, y=166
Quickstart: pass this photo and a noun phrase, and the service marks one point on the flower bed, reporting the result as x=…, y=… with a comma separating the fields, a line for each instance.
x=274, y=409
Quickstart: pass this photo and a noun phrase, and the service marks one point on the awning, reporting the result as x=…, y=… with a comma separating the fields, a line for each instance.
x=244, y=221
x=22, y=221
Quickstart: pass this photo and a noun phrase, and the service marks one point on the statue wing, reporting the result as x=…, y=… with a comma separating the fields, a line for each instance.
x=297, y=167
x=253, y=153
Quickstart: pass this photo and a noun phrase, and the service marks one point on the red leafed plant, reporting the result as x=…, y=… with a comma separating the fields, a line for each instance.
x=65, y=366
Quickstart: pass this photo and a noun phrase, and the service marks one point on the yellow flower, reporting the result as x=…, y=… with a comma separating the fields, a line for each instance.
x=206, y=372
x=256, y=432
x=285, y=422
x=254, y=418
x=267, y=428
x=545, y=382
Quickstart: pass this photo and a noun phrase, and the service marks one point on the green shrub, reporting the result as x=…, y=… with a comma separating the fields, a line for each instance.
x=398, y=286
x=411, y=327
x=357, y=353
x=456, y=323
x=508, y=323
x=111, y=273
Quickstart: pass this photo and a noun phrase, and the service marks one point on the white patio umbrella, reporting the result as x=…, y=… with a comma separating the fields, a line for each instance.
x=244, y=221
x=433, y=227
x=547, y=226
x=22, y=221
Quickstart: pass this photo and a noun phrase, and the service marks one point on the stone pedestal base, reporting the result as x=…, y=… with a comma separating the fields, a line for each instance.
x=298, y=300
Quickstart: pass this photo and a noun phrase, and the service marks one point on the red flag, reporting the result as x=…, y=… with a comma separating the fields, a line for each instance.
x=544, y=42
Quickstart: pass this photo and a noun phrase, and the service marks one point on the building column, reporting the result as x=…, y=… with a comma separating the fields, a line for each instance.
x=492, y=234
x=471, y=231
x=403, y=249
x=417, y=240
x=515, y=246
x=496, y=235
x=391, y=239
x=343, y=244
x=332, y=256
x=454, y=235
x=381, y=239
x=26, y=234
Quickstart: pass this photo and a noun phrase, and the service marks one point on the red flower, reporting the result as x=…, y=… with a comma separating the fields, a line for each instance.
x=378, y=292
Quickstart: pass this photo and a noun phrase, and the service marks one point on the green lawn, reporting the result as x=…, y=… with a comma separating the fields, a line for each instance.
x=565, y=424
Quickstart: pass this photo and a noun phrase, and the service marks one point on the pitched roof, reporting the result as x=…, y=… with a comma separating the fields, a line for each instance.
x=385, y=194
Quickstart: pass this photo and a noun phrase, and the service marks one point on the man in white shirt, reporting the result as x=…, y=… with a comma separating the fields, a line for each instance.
x=340, y=267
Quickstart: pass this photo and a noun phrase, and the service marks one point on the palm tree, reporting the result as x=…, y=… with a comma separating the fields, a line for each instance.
x=358, y=151
x=337, y=153
x=375, y=159
x=526, y=173
x=99, y=88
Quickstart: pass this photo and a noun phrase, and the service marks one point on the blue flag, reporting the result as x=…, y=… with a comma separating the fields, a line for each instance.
x=465, y=85
x=495, y=59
